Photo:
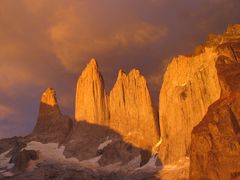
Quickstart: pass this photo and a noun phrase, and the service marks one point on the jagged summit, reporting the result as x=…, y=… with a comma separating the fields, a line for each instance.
x=92, y=64
x=49, y=97
x=134, y=73
x=92, y=70
x=121, y=74
x=131, y=110
x=233, y=29
x=232, y=34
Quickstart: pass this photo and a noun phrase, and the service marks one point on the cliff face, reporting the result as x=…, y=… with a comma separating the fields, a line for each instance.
x=91, y=97
x=51, y=125
x=131, y=110
x=215, y=147
x=190, y=86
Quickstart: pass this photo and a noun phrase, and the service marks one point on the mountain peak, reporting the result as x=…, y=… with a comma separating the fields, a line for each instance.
x=121, y=74
x=51, y=125
x=134, y=73
x=131, y=111
x=233, y=29
x=93, y=64
x=91, y=96
x=49, y=97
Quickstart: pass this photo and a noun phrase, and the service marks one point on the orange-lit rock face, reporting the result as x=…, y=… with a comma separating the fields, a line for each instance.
x=49, y=97
x=128, y=110
x=91, y=97
x=191, y=85
x=131, y=110
x=48, y=105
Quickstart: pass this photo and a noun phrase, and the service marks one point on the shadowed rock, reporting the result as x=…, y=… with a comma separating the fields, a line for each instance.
x=215, y=147
x=22, y=158
x=51, y=125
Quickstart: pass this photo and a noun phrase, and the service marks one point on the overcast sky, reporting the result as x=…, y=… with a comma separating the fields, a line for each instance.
x=47, y=43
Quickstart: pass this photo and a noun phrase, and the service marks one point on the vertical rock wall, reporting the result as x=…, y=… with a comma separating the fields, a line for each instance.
x=91, y=96
x=131, y=110
x=191, y=84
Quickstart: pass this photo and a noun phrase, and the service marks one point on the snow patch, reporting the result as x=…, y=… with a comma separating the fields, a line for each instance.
x=91, y=163
x=4, y=161
x=51, y=153
x=104, y=144
x=5, y=165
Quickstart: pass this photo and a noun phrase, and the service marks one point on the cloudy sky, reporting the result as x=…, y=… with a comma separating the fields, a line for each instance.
x=46, y=43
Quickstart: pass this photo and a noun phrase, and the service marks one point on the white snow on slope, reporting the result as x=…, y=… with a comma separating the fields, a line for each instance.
x=91, y=163
x=4, y=161
x=104, y=144
x=5, y=166
x=52, y=153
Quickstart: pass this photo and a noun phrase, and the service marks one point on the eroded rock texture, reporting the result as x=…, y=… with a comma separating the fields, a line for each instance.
x=51, y=125
x=131, y=110
x=215, y=147
x=190, y=86
x=91, y=96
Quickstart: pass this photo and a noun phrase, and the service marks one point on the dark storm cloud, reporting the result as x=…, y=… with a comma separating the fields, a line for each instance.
x=47, y=43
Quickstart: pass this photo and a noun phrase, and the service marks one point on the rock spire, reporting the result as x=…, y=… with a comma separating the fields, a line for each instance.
x=91, y=96
x=131, y=109
x=128, y=110
x=51, y=125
